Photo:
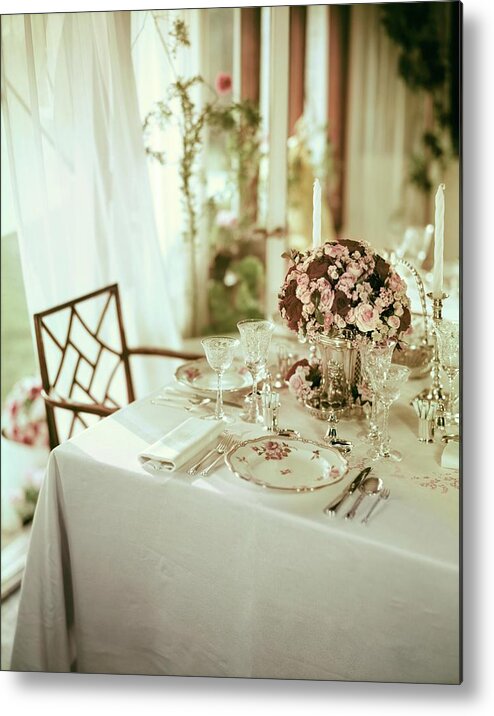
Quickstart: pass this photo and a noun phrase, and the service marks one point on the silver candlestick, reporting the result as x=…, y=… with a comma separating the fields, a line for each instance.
x=436, y=393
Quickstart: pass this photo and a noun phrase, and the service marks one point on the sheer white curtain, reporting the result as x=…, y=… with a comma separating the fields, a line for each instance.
x=81, y=187
x=385, y=122
x=156, y=69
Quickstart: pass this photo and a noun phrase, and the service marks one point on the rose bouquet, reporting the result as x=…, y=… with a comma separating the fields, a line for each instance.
x=304, y=380
x=24, y=418
x=344, y=285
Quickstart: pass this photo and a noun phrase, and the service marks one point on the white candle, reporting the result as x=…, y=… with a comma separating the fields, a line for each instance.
x=316, y=215
x=437, y=283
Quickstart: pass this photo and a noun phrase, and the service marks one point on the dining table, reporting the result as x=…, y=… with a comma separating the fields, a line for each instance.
x=131, y=571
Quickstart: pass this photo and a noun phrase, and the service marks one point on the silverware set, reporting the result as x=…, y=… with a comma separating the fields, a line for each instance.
x=362, y=484
x=367, y=487
x=211, y=458
x=190, y=402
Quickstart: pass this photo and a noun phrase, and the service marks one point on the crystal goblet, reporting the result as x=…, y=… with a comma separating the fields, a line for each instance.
x=448, y=338
x=375, y=359
x=219, y=352
x=255, y=338
x=387, y=386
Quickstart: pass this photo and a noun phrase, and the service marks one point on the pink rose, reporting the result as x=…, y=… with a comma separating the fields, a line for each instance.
x=302, y=279
x=346, y=284
x=394, y=322
x=223, y=83
x=327, y=298
x=354, y=269
x=395, y=283
x=296, y=382
x=366, y=317
x=334, y=250
x=303, y=294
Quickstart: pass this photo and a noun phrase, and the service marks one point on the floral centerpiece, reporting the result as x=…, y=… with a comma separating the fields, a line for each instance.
x=25, y=450
x=337, y=295
x=344, y=285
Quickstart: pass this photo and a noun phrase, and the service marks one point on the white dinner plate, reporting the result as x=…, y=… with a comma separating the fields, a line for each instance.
x=199, y=376
x=287, y=463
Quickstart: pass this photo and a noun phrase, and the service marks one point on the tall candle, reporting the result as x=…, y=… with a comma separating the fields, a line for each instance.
x=316, y=215
x=437, y=282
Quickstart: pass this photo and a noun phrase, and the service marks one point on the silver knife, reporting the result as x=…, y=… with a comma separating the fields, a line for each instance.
x=334, y=506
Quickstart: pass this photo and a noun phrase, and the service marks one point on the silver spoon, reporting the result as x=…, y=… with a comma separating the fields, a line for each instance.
x=370, y=486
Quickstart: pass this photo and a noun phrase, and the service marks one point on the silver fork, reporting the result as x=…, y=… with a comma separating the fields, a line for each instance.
x=383, y=495
x=230, y=443
x=224, y=439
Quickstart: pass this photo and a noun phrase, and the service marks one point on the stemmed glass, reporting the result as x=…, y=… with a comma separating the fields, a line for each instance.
x=448, y=336
x=219, y=352
x=375, y=359
x=387, y=387
x=255, y=337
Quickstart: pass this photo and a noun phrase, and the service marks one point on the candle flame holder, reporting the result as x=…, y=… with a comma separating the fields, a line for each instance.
x=435, y=394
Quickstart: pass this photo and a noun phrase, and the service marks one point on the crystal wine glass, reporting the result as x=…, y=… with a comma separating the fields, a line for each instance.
x=375, y=359
x=255, y=338
x=448, y=337
x=219, y=352
x=387, y=387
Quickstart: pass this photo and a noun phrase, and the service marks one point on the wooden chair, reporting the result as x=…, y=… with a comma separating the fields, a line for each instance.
x=81, y=377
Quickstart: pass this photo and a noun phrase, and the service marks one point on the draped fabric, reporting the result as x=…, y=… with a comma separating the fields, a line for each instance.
x=80, y=183
x=385, y=123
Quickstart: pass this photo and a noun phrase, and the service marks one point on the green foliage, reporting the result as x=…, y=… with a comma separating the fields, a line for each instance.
x=418, y=28
x=240, y=121
x=251, y=271
x=426, y=34
x=230, y=304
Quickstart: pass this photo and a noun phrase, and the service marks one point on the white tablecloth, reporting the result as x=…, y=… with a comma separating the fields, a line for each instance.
x=134, y=573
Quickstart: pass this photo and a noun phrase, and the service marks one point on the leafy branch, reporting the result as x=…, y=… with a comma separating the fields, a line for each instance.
x=426, y=34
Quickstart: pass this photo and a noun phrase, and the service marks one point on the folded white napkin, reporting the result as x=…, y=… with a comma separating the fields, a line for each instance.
x=451, y=456
x=177, y=447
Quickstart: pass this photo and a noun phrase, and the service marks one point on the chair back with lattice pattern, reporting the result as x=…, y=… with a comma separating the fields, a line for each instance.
x=84, y=361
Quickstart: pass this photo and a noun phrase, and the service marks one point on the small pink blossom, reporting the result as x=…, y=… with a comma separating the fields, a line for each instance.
x=328, y=321
x=298, y=384
x=339, y=321
x=354, y=269
x=395, y=283
x=223, y=83
x=335, y=250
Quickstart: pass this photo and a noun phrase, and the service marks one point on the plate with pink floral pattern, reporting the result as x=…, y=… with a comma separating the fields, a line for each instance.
x=199, y=376
x=293, y=464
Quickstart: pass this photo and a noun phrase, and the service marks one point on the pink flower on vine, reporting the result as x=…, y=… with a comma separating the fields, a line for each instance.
x=223, y=83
